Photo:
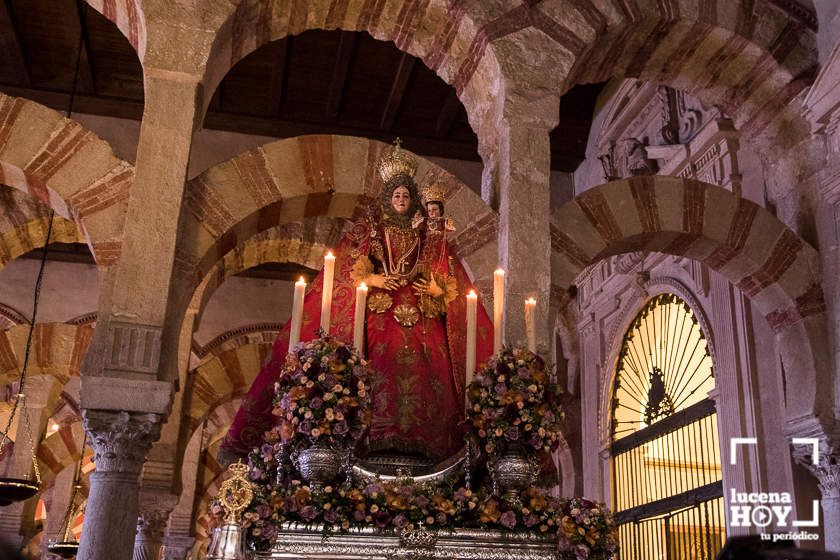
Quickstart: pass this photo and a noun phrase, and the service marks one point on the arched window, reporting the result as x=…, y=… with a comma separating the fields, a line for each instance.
x=667, y=488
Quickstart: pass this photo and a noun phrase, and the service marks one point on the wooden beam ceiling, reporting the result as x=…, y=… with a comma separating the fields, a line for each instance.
x=11, y=46
x=277, y=80
x=319, y=82
x=395, y=97
x=341, y=68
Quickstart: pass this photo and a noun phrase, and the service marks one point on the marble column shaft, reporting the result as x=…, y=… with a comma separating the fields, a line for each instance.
x=121, y=441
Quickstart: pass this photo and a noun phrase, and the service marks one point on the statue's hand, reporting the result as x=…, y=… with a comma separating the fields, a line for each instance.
x=427, y=287
x=382, y=282
x=433, y=289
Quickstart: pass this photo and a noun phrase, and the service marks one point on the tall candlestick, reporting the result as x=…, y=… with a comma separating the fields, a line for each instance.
x=472, y=307
x=297, y=314
x=530, y=326
x=326, y=296
x=359, y=323
x=498, y=309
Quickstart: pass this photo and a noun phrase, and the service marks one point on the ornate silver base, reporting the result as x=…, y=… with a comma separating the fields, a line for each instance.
x=299, y=541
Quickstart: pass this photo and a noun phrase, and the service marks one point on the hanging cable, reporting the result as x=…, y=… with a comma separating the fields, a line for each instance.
x=78, y=61
x=67, y=529
x=19, y=399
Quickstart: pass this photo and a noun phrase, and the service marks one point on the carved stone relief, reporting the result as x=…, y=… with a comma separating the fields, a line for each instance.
x=121, y=440
x=656, y=129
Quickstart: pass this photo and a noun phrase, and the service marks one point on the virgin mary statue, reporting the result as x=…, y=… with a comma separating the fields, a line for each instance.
x=415, y=333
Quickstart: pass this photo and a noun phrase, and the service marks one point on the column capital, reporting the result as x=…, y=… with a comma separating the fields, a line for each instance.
x=826, y=470
x=121, y=440
x=151, y=523
x=816, y=438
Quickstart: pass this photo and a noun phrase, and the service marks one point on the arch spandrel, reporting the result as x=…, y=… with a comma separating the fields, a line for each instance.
x=683, y=217
x=749, y=57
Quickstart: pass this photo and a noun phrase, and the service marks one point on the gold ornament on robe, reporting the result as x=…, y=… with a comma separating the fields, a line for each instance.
x=380, y=302
x=406, y=315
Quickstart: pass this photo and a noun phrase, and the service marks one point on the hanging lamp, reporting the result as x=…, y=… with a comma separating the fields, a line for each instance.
x=69, y=546
x=19, y=489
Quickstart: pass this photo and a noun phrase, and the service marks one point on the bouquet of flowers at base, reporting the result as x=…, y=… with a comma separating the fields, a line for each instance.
x=323, y=395
x=584, y=529
x=513, y=401
x=587, y=531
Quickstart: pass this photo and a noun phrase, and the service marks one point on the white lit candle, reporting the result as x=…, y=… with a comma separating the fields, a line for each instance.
x=498, y=309
x=472, y=307
x=297, y=314
x=530, y=326
x=326, y=296
x=359, y=323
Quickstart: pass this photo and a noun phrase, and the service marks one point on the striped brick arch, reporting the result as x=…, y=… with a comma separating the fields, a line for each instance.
x=57, y=350
x=303, y=243
x=443, y=34
x=297, y=180
x=750, y=57
x=742, y=241
x=207, y=488
x=24, y=223
x=222, y=378
x=68, y=168
x=60, y=450
x=211, y=472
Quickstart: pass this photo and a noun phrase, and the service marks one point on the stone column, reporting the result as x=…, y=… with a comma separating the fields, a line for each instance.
x=62, y=493
x=520, y=169
x=120, y=441
x=829, y=485
x=827, y=472
x=149, y=540
x=132, y=350
x=177, y=548
x=40, y=391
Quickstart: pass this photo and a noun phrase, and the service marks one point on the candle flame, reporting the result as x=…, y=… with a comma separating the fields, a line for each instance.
x=499, y=271
x=330, y=255
x=472, y=294
x=363, y=286
x=531, y=301
x=301, y=282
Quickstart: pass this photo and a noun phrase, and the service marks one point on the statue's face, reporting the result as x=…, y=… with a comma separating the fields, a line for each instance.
x=433, y=210
x=401, y=200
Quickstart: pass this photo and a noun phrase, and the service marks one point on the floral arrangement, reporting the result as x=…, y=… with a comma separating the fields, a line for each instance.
x=513, y=401
x=584, y=529
x=323, y=395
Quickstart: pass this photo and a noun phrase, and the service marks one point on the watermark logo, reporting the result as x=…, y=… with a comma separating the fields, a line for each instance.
x=765, y=509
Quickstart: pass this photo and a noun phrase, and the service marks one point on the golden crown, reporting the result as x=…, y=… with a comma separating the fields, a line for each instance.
x=397, y=162
x=433, y=192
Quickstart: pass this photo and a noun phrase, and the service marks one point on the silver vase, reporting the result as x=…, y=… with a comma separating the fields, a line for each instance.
x=319, y=465
x=227, y=543
x=512, y=472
